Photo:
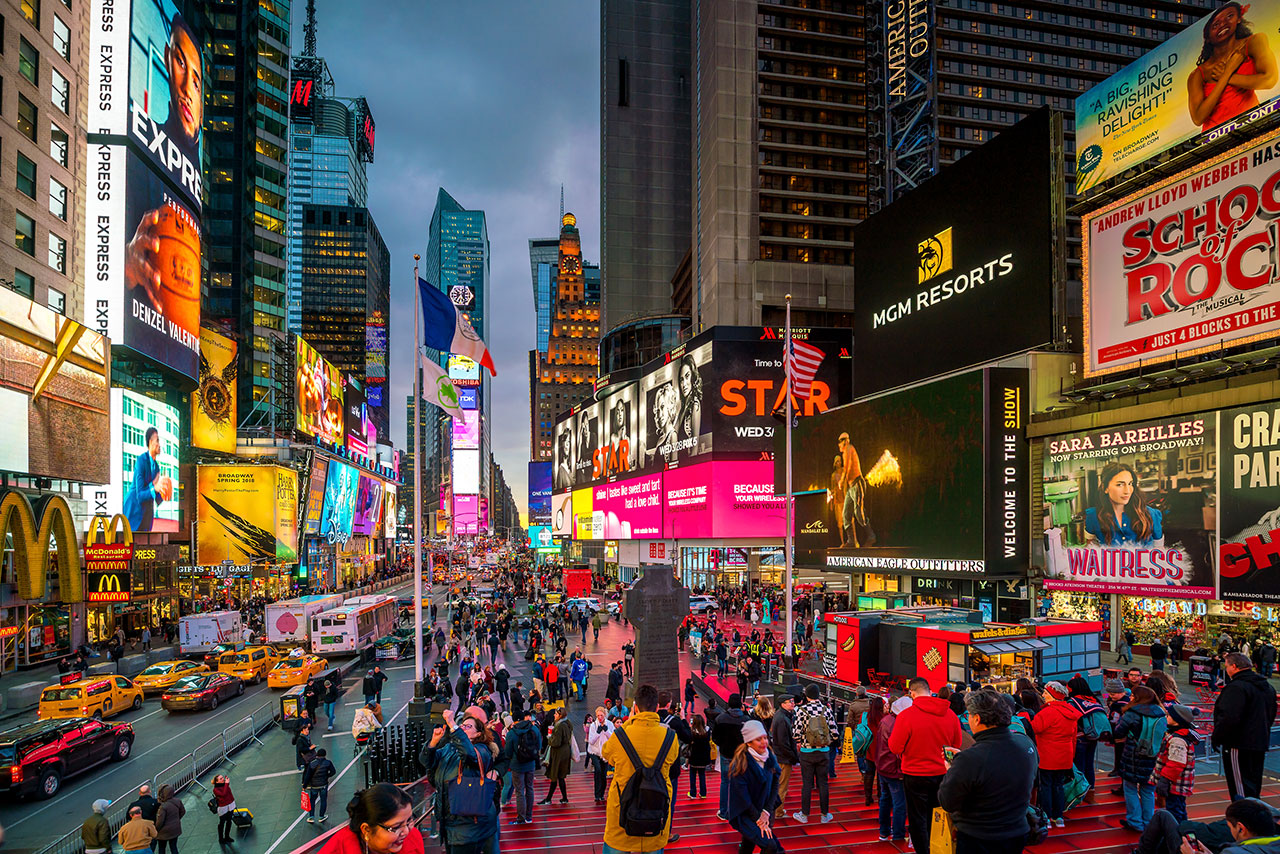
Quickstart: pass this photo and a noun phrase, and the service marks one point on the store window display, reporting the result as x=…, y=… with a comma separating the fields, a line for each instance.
x=1073, y=605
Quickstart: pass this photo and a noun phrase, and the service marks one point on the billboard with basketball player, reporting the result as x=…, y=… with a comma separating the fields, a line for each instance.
x=143, y=285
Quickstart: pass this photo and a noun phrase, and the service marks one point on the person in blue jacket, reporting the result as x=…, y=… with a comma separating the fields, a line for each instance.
x=149, y=489
x=1122, y=516
x=578, y=673
x=753, y=791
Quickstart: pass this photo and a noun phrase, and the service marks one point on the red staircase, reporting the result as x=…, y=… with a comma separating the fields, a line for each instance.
x=578, y=827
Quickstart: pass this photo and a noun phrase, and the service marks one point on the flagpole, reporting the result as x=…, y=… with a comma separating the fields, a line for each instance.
x=788, y=657
x=419, y=690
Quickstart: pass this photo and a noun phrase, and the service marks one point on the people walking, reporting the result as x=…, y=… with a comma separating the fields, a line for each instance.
x=329, y=694
x=1092, y=724
x=138, y=834
x=1054, y=727
x=1242, y=719
x=893, y=798
x=303, y=749
x=753, y=790
x=315, y=782
x=169, y=820
x=560, y=756
x=1142, y=727
x=641, y=741
x=521, y=751
x=918, y=738
x=225, y=804
x=785, y=750
x=699, y=757
x=599, y=731
x=95, y=833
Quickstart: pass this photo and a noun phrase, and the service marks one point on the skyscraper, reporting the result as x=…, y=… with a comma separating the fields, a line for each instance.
x=645, y=177
x=246, y=140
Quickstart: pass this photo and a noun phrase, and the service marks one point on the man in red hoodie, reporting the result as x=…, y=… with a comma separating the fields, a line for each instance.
x=1055, y=729
x=918, y=737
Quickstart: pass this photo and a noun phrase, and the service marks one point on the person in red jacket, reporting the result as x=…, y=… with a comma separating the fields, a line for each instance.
x=918, y=737
x=1055, y=730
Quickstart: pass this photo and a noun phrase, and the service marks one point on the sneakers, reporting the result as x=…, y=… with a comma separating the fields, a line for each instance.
x=323, y=818
x=827, y=818
x=720, y=815
x=883, y=839
x=1059, y=822
x=311, y=819
x=800, y=817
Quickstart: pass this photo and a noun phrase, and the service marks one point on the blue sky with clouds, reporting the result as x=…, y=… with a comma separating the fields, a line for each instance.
x=497, y=102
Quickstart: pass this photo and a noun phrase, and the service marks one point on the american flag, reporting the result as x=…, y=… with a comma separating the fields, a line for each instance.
x=803, y=361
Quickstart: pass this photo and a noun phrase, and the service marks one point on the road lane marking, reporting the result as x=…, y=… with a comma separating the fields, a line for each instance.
x=270, y=776
x=334, y=734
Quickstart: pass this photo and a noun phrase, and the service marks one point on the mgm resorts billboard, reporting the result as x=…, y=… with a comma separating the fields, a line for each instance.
x=965, y=262
x=932, y=480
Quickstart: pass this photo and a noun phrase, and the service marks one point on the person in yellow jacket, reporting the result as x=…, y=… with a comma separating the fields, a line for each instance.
x=646, y=734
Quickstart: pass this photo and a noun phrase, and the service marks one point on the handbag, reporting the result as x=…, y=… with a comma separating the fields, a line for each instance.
x=471, y=796
x=942, y=833
x=577, y=751
x=306, y=801
x=212, y=804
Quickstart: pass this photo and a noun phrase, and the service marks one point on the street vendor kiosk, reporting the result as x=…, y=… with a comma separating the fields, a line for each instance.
x=954, y=645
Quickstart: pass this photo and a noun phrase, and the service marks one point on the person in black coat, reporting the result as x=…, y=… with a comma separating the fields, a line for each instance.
x=516, y=694
x=726, y=734
x=1242, y=720
x=753, y=791
x=303, y=749
x=614, y=689
x=501, y=685
x=988, y=786
x=684, y=734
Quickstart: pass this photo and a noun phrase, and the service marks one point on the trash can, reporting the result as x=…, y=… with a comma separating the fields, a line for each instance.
x=292, y=708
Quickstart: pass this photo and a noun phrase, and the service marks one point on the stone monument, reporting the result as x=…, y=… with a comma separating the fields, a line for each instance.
x=656, y=606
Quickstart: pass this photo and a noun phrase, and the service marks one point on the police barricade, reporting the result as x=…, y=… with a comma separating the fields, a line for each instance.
x=207, y=755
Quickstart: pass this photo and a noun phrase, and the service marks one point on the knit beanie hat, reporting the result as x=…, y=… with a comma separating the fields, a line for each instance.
x=1113, y=686
x=752, y=730
x=1185, y=715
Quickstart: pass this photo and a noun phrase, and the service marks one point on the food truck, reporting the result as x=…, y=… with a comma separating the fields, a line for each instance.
x=954, y=645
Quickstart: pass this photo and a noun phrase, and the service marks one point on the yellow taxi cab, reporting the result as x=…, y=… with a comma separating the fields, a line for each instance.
x=164, y=674
x=95, y=697
x=250, y=664
x=295, y=670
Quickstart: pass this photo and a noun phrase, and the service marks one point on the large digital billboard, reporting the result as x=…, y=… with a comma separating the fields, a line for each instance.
x=143, y=286
x=338, y=516
x=562, y=515
x=675, y=425
x=368, y=512
x=361, y=435
x=464, y=371
x=1131, y=509
x=145, y=436
x=245, y=514
x=319, y=394
x=54, y=377
x=963, y=262
x=628, y=509
x=315, y=494
x=1249, y=502
x=1187, y=266
x=466, y=472
x=466, y=430
x=1171, y=94
x=931, y=480
x=213, y=403
x=618, y=451
x=466, y=514
x=160, y=109
x=540, y=493
x=390, y=511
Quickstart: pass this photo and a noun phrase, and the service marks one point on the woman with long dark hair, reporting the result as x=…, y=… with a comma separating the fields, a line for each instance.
x=867, y=759
x=689, y=382
x=1234, y=63
x=1122, y=515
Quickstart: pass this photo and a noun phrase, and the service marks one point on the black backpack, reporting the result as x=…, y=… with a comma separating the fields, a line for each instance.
x=527, y=746
x=645, y=803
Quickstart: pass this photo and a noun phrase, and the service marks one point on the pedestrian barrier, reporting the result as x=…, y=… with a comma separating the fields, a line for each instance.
x=181, y=774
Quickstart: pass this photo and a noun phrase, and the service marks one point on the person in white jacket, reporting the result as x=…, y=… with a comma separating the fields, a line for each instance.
x=598, y=732
x=366, y=721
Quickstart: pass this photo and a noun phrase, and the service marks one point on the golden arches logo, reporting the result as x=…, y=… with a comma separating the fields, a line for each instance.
x=31, y=544
x=100, y=524
x=109, y=582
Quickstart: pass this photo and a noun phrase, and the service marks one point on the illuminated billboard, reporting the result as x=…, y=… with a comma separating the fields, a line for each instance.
x=466, y=514
x=246, y=514
x=618, y=451
x=213, y=403
x=315, y=494
x=390, y=511
x=469, y=398
x=562, y=515
x=338, y=516
x=540, y=536
x=464, y=371
x=540, y=493
x=722, y=499
x=1186, y=266
x=368, y=512
x=466, y=430
x=361, y=435
x=319, y=394
x=466, y=472
x=53, y=374
x=1171, y=95
x=675, y=425
x=630, y=508
x=143, y=286
x=584, y=520
x=145, y=437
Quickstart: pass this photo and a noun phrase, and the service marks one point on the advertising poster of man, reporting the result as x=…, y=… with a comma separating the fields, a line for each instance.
x=319, y=395
x=1249, y=512
x=673, y=428
x=1131, y=509
x=146, y=474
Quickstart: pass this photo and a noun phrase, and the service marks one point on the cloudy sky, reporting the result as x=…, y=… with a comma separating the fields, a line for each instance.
x=497, y=102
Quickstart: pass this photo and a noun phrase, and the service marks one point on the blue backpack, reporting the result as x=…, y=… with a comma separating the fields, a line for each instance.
x=1151, y=736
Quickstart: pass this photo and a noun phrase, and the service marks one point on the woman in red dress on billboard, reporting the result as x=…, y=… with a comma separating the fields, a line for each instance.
x=1235, y=57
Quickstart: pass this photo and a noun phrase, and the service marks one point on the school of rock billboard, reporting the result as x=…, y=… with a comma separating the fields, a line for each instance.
x=1186, y=266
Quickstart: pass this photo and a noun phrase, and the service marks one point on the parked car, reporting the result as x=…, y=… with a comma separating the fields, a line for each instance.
x=95, y=697
x=36, y=757
x=590, y=604
x=292, y=671
x=204, y=691
x=250, y=664
x=163, y=674
x=703, y=605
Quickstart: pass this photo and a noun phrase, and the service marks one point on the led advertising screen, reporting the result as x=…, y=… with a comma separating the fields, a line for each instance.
x=618, y=453
x=1171, y=95
x=562, y=515
x=722, y=499
x=315, y=494
x=319, y=399
x=213, y=403
x=46, y=389
x=1131, y=509
x=390, y=511
x=466, y=472
x=586, y=441
x=361, y=436
x=246, y=514
x=584, y=517
x=629, y=509
x=368, y=510
x=1186, y=266
x=338, y=516
x=466, y=430
x=145, y=437
x=1249, y=502
x=464, y=371
x=675, y=426
x=969, y=251
x=469, y=398
x=539, y=493
x=466, y=514
x=144, y=281
x=540, y=537
x=152, y=46
x=929, y=480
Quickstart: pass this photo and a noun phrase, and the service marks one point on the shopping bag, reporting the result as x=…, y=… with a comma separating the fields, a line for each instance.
x=306, y=801
x=942, y=833
x=577, y=751
x=1077, y=787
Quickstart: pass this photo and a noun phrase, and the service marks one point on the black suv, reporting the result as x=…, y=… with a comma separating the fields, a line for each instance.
x=35, y=757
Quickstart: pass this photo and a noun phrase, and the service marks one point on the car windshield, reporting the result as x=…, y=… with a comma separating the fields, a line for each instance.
x=56, y=694
x=7, y=754
x=156, y=670
x=288, y=664
x=191, y=683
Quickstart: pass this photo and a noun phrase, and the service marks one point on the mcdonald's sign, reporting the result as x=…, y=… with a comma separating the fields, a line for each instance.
x=107, y=528
x=31, y=544
x=108, y=587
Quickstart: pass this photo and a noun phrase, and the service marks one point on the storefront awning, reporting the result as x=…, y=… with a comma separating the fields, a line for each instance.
x=1019, y=645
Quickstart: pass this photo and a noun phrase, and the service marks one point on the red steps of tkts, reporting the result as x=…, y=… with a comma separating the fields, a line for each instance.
x=578, y=827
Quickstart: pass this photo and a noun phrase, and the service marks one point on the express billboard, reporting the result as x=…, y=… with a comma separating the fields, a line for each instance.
x=932, y=479
x=1171, y=94
x=245, y=514
x=338, y=516
x=145, y=436
x=964, y=262
x=1186, y=266
x=213, y=403
x=319, y=394
x=54, y=377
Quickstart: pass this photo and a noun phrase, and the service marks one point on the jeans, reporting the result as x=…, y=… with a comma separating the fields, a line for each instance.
x=1053, y=792
x=1085, y=753
x=966, y=844
x=225, y=825
x=598, y=766
x=329, y=711
x=172, y=843
x=507, y=789
x=582, y=691
x=319, y=800
x=922, y=797
x=724, y=785
x=522, y=782
x=675, y=791
x=1157, y=664
x=813, y=773
x=722, y=667
x=698, y=782
x=833, y=753
x=1177, y=806
x=484, y=846
x=1139, y=804
x=868, y=771
x=893, y=808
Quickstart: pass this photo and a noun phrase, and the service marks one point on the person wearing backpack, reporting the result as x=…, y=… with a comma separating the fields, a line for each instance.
x=782, y=735
x=753, y=791
x=1142, y=726
x=522, y=751
x=1092, y=725
x=1175, y=774
x=893, y=798
x=641, y=751
x=815, y=739
x=918, y=738
x=864, y=735
x=1055, y=729
x=599, y=731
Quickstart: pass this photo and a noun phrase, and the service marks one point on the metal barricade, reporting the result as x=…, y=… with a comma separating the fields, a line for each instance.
x=237, y=735
x=264, y=716
x=209, y=754
x=179, y=775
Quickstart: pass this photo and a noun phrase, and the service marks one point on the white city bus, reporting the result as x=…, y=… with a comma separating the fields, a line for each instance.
x=354, y=625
